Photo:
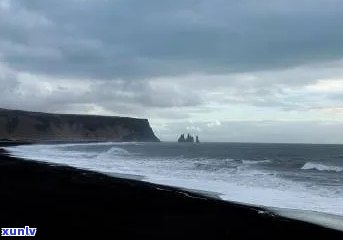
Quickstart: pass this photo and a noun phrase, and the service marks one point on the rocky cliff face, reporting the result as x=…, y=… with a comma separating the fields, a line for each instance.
x=33, y=126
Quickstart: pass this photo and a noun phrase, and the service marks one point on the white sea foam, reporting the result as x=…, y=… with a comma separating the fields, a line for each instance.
x=113, y=151
x=326, y=220
x=321, y=167
x=247, y=184
x=253, y=162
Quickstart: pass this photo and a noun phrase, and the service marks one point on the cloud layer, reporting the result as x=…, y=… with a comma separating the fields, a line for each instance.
x=136, y=39
x=176, y=61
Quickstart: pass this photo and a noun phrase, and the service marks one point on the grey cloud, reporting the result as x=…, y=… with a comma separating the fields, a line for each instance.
x=116, y=97
x=140, y=39
x=146, y=94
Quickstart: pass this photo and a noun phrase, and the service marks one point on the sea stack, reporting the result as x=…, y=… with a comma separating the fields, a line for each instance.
x=188, y=139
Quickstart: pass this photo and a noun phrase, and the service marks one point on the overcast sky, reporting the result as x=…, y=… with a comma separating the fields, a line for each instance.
x=227, y=70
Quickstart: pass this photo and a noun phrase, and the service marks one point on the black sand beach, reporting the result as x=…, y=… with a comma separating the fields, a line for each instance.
x=63, y=201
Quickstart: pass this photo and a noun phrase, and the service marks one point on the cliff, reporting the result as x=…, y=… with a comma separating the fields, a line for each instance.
x=34, y=126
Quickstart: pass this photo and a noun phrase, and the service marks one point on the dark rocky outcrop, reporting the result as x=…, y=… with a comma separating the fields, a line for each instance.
x=34, y=126
x=188, y=139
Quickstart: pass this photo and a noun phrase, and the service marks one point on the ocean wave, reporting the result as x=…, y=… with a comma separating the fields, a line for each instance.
x=251, y=162
x=321, y=167
x=112, y=152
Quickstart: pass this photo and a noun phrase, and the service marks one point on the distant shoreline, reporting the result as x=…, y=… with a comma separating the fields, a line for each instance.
x=84, y=203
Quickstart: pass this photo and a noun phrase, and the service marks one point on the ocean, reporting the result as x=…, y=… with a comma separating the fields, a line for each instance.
x=285, y=176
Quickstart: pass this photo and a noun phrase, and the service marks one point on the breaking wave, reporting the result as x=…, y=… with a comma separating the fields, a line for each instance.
x=250, y=162
x=114, y=151
x=321, y=167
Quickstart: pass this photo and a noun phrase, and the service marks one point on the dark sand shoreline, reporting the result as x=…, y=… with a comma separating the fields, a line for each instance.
x=62, y=201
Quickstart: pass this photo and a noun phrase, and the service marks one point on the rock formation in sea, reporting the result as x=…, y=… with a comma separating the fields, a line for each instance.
x=34, y=126
x=188, y=139
x=182, y=138
x=197, y=139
